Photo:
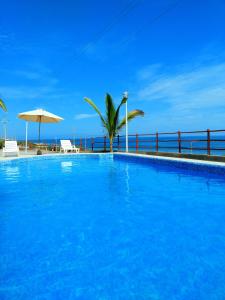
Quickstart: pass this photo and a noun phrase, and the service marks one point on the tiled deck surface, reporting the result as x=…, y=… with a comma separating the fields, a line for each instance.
x=23, y=154
x=32, y=153
x=196, y=161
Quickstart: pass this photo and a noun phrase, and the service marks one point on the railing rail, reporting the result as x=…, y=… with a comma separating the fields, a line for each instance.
x=209, y=142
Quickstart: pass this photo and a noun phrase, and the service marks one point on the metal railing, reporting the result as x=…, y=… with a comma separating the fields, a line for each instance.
x=209, y=142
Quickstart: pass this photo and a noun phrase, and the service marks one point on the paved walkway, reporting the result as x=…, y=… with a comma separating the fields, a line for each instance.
x=23, y=154
x=33, y=153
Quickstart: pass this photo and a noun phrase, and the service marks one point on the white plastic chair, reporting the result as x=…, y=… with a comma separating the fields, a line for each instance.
x=67, y=146
x=10, y=148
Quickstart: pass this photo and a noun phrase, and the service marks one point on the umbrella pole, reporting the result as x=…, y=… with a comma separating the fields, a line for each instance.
x=39, y=132
x=26, y=135
x=39, y=138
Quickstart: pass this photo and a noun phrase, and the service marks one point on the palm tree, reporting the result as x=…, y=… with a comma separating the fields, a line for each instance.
x=111, y=120
x=2, y=105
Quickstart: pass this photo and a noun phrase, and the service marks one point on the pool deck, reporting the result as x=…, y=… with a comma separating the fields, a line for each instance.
x=167, y=158
x=31, y=154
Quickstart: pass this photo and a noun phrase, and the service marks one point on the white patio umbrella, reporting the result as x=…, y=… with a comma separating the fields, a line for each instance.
x=40, y=116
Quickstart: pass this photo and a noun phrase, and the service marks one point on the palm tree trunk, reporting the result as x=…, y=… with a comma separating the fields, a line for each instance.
x=111, y=143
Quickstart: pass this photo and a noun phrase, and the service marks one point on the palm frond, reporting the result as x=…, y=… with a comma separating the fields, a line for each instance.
x=110, y=112
x=89, y=101
x=131, y=115
x=2, y=105
x=116, y=119
x=111, y=121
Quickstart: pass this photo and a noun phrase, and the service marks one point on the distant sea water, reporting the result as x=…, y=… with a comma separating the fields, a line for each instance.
x=189, y=144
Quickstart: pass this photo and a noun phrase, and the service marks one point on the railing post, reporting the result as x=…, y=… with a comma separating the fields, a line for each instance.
x=157, y=142
x=81, y=144
x=179, y=141
x=136, y=143
x=92, y=144
x=104, y=143
x=208, y=142
x=118, y=142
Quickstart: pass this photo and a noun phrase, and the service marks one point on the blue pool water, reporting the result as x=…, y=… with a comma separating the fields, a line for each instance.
x=98, y=227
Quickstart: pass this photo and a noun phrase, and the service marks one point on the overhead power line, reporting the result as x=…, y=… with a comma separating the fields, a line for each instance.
x=124, y=12
x=153, y=20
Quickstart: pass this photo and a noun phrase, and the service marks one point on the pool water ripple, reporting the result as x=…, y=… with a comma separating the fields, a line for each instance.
x=104, y=227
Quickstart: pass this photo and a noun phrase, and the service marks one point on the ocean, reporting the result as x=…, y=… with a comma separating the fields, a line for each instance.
x=193, y=144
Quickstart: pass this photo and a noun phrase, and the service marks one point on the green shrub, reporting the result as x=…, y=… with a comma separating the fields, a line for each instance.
x=2, y=143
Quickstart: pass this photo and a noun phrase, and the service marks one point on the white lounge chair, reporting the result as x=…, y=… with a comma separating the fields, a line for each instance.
x=67, y=146
x=10, y=148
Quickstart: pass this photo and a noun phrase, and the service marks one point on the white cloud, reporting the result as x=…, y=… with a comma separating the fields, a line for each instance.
x=38, y=82
x=3, y=36
x=85, y=116
x=43, y=93
x=148, y=71
x=102, y=50
x=188, y=96
x=28, y=74
x=201, y=88
x=34, y=72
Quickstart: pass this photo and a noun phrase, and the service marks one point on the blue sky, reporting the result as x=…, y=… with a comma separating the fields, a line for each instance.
x=168, y=54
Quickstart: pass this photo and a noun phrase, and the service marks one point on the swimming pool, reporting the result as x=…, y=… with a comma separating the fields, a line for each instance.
x=111, y=227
